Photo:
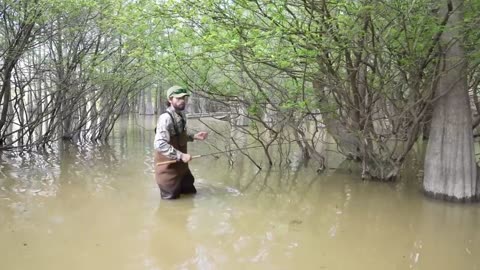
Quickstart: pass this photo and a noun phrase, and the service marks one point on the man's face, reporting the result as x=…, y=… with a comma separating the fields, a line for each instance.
x=179, y=103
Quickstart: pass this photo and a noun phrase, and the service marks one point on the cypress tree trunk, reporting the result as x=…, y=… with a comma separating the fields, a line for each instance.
x=450, y=168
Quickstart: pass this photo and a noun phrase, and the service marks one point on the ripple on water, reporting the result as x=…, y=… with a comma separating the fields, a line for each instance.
x=209, y=189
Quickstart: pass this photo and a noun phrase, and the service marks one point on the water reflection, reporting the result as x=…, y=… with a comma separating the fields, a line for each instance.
x=171, y=244
x=456, y=244
x=99, y=208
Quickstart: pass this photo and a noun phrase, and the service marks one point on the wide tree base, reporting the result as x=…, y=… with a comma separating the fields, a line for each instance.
x=444, y=197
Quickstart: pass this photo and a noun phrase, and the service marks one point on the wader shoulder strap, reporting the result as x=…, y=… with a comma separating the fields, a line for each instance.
x=175, y=126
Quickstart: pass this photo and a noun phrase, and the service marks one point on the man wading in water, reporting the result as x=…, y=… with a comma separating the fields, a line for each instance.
x=171, y=139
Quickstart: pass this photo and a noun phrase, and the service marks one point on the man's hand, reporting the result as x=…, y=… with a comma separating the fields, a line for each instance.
x=202, y=135
x=186, y=157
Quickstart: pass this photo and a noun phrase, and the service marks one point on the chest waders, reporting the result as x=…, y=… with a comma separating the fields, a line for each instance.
x=174, y=179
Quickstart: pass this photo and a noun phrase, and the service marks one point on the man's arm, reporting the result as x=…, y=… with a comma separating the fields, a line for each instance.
x=202, y=135
x=191, y=136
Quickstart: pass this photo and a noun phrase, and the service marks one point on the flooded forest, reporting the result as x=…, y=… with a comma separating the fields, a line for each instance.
x=342, y=134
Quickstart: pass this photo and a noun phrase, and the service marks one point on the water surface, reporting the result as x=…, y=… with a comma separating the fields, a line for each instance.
x=93, y=207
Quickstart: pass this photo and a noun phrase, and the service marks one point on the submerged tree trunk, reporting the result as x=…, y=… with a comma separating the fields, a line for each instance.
x=450, y=168
x=148, y=103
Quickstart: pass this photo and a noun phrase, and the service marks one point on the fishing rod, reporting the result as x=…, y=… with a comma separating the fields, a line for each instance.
x=216, y=153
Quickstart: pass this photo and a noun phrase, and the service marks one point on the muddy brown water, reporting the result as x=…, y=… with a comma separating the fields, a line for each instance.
x=94, y=207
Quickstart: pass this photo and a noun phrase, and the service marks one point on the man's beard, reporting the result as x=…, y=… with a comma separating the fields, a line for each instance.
x=180, y=107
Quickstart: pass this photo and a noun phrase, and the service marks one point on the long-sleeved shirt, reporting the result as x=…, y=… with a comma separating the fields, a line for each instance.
x=166, y=129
